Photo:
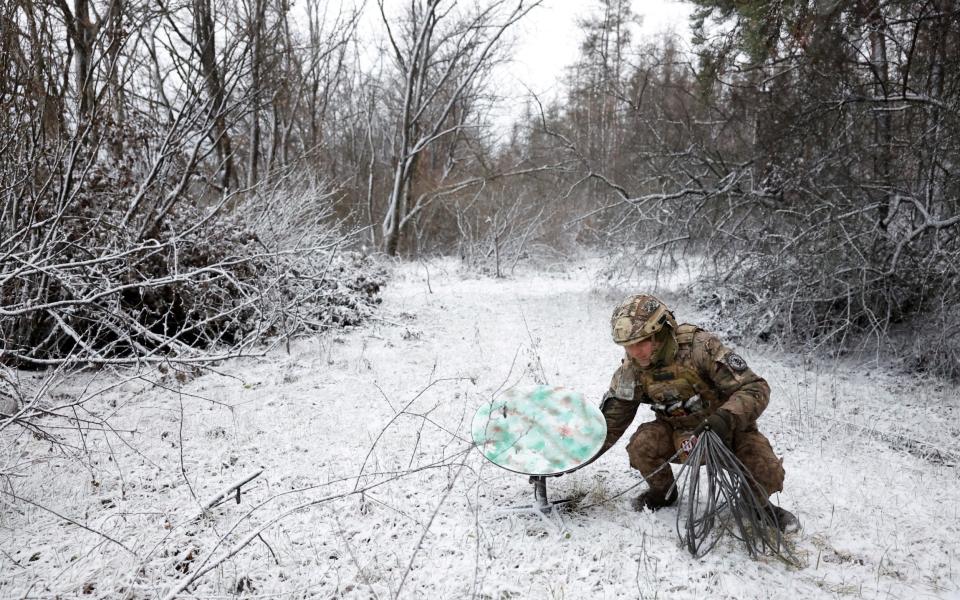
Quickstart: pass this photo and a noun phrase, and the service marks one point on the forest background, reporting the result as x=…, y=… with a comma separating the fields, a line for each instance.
x=182, y=180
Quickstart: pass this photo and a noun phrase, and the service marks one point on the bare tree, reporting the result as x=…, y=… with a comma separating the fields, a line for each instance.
x=146, y=252
x=440, y=55
x=204, y=44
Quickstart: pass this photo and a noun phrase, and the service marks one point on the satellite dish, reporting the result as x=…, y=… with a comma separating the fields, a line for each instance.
x=540, y=431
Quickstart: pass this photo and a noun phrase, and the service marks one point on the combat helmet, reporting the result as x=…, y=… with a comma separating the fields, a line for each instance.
x=639, y=317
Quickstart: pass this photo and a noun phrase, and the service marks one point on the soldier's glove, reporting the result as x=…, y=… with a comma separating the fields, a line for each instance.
x=721, y=423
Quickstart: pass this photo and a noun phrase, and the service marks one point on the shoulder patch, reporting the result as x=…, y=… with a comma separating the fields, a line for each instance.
x=735, y=362
x=624, y=383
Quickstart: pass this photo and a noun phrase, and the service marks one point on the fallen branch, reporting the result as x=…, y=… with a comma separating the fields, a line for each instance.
x=222, y=495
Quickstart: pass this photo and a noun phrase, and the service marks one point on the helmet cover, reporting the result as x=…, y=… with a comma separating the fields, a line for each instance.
x=639, y=317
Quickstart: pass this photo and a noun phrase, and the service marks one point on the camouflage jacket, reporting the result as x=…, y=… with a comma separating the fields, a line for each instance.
x=703, y=376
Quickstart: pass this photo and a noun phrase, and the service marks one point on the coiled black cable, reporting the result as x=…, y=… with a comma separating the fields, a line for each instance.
x=725, y=499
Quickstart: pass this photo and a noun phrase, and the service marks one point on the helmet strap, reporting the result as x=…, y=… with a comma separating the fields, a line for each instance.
x=666, y=346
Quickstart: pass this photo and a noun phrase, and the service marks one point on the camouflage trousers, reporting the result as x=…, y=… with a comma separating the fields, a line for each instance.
x=653, y=444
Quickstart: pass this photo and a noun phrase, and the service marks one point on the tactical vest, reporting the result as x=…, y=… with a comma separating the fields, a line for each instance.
x=678, y=393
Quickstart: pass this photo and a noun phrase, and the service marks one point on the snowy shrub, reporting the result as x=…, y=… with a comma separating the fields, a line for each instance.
x=90, y=277
x=10, y=394
x=850, y=293
x=934, y=346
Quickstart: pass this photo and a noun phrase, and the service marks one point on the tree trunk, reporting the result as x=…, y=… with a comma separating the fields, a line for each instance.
x=883, y=121
x=205, y=32
x=82, y=32
x=256, y=65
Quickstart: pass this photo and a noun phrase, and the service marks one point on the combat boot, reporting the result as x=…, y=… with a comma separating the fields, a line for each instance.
x=654, y=500
x=785, y=520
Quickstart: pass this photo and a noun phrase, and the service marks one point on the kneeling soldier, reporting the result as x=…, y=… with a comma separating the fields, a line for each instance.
x=691, y=381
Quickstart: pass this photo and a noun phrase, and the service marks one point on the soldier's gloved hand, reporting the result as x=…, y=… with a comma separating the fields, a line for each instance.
x=721, y=423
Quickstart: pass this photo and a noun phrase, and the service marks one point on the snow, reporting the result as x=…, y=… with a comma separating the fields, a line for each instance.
x=370, y=488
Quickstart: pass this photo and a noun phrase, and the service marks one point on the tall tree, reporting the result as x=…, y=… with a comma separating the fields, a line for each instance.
x=440, y=53
x=205, y=46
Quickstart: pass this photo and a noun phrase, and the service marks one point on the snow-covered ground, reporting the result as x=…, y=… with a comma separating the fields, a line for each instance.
x=370, y=487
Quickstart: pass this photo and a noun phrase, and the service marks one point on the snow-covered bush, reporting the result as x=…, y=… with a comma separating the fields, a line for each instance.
x=846, y=293
x=205, y=282
x=9, y=392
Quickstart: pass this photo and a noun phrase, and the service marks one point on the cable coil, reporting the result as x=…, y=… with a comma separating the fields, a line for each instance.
x=726, y=499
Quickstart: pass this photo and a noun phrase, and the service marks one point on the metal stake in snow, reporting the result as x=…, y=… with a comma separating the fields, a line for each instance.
x=542, y=432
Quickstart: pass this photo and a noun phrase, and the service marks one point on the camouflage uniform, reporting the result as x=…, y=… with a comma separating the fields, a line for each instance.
x=696, y=369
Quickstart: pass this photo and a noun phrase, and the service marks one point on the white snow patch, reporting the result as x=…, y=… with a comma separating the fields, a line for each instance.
x=385, y=409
